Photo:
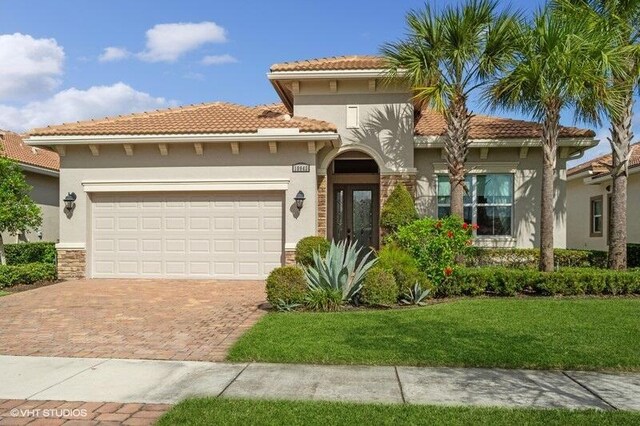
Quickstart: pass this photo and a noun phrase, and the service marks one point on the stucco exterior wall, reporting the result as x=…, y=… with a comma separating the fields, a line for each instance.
x=579, y=213
x=527, y=182
x=385, y=116
x=253, y=162
x=45, y=194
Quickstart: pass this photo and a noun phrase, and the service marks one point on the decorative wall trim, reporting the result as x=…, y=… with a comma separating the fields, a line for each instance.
x=71, y=246
x=438, y=142
x=484, y=167
x=186, y=185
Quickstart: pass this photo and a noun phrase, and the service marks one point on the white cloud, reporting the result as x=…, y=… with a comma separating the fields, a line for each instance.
x=110, y=54
x=219, y=59
x=167, y=42
x=29, y=66
x=74, y=104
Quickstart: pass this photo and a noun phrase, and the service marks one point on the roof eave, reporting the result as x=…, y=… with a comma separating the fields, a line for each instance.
x=438, y=142
x=39, y=170
x=287, y=135
x=329, y=74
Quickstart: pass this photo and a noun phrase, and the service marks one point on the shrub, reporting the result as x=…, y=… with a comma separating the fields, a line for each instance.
x=29, y=273
x=501, y=281
x=324, y=299
x=398, y=210
x=379, y=288
x=529, y=258
x=339, y=270
x=403, y=267
x=22, y=253
x=436, y=244
x=415, y=296
x=306, y=247
x=286, y=285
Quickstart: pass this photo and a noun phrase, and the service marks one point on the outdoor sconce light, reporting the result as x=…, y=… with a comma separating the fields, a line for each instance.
x=299, y=200
x=69, y=201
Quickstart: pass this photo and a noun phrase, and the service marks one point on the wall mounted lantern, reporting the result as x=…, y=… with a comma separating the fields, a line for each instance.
x=69, y=201
x=299, y=199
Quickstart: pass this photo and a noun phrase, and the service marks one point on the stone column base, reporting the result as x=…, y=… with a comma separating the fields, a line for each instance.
x=72, y=264
x=290, y=257
x=321, y=228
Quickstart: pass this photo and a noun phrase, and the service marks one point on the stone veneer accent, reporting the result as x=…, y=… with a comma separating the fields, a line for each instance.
x=289, y=257
x=322, y=206
x=389, y=182
x=72, y=264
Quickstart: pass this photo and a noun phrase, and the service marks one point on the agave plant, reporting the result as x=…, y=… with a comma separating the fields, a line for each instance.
x=339, y=270
x=416, y=295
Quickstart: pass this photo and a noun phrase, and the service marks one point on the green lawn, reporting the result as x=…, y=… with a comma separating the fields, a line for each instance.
x=3, y=293
x=210, y=411
x=541, y=333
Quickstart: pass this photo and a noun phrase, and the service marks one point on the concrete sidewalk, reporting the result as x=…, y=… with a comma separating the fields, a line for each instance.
x=144, y=381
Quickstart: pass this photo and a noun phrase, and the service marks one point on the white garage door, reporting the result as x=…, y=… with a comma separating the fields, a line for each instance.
x=199, y=235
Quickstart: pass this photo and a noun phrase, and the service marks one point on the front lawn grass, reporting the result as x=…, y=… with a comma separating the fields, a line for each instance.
x=3, y=293
x=538, y=333
x=211, y=411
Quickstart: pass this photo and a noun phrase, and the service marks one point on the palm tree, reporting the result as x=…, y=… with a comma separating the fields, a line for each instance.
x=447, y=56
x=622, y=19
x=562, y=62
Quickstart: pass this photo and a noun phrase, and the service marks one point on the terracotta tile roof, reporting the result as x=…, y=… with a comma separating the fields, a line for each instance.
x=334, y=63
x=600, y=164
x=216, y=117
x=431, y=123
x=12, y=146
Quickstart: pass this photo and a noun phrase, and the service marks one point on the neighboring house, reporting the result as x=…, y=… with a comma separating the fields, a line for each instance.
x=589, y=202
x=208, y=190
x=41, y=171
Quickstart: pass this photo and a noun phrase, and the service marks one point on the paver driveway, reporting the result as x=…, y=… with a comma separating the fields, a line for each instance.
x=149, y=319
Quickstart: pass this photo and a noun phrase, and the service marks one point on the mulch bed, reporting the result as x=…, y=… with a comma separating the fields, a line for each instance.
x=25, y=287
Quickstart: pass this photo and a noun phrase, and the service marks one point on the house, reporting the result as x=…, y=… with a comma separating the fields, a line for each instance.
x=41, y=171
x=589, y=202
x=226, y=191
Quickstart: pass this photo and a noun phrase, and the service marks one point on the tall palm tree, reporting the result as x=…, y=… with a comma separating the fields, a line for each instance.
x=620, y=18
x=562, y=62
x=445, y=57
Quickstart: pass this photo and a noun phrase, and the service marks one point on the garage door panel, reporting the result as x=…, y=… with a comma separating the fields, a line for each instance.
x=204, y=235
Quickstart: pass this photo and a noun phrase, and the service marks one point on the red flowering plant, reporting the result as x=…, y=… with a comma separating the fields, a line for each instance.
x=436, y=244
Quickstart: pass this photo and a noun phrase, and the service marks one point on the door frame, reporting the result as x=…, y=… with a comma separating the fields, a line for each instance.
x=348, y=209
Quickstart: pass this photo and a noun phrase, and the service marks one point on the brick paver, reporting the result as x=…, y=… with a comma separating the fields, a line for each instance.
x=147, y=319
x=50, y=413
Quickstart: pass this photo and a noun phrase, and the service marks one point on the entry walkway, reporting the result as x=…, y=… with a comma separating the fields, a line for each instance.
x=167, y=382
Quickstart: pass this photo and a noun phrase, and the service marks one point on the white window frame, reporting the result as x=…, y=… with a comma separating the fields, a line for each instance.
x=474, y=203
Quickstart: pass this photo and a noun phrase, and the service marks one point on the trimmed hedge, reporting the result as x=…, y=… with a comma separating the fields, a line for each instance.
x=306, y=247
x=500, y=281
x=398, y=210
x=403, y=267
x=287, y=284
x=29, y=273
x=23, y=253
x=379, y=288
x=529, y=258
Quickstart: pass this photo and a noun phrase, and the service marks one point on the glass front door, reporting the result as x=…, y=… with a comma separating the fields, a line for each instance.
x=355, y=214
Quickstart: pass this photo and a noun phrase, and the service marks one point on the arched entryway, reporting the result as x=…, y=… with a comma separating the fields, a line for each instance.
x=353, y=195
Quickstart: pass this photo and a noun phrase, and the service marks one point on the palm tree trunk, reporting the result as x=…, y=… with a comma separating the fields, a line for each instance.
x=621, y=136
x=3, y=256
x=547, y=218
x=456, y=146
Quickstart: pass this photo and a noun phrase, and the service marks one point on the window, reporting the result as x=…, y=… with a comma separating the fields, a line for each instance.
x=353, y=117
x=596, y=221
x=488, y=202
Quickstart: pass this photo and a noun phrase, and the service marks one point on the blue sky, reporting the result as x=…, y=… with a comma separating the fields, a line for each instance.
x=152, y=65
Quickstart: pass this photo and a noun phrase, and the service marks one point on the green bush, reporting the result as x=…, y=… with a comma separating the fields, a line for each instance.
x=324, y=299
x=22, y=253
x=286, y=284
x=436, y=244
x=379, y=288
x=529, y=258
x=398, y=210
x=306, y=247
x=501, y=281
x=403, y=267
x=29, y=273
